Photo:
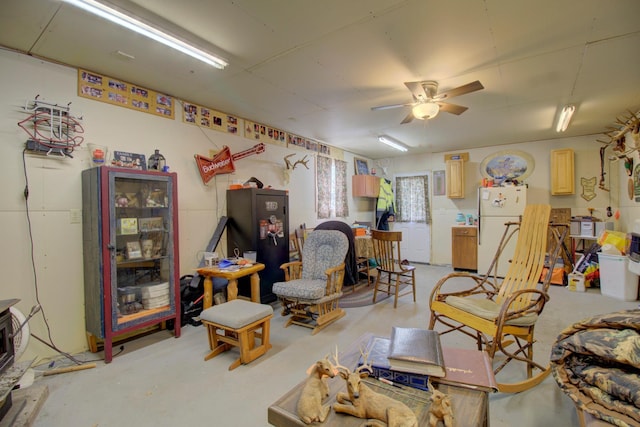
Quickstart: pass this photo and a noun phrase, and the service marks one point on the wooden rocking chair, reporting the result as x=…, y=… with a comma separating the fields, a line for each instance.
x=501, y=314
x=313, y=287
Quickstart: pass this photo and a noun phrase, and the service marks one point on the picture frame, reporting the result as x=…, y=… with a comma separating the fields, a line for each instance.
x=439, y=183
x=361, y=166
x=134, y=250
x=155, y=223
x=507, y=165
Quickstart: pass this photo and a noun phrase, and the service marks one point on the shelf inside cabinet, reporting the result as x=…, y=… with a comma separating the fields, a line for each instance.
x=125, y=318
x=139, y=263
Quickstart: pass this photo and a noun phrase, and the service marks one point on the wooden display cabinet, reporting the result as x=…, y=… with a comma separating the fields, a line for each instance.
x=130, y=246
x=365, y=186
x=455, y=178
x=464, y=248
x=562, y=172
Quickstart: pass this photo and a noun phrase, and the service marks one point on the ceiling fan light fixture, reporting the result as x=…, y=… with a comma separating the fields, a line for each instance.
x=392, y=143
x=149, y=31
x=565, y=118
x=426, y=110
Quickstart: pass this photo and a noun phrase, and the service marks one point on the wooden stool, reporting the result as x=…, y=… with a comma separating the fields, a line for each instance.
x=241, y=323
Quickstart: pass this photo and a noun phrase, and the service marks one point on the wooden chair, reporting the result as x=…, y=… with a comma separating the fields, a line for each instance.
x=298, y=240
x=294, y=253
x=392, y=271
x=501, y=314
x=313, y=287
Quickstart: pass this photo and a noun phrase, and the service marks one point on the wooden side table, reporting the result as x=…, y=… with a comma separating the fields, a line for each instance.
x=232, y=276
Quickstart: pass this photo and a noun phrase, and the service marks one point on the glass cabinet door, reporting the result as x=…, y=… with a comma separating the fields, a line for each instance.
x=142, y=250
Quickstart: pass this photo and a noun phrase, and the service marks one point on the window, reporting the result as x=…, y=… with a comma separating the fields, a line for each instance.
x=331, y=188
x=412, y=199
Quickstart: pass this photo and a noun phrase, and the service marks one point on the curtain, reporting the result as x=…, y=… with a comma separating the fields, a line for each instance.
x=342, y=208
x=331, y=188
x=412, y=199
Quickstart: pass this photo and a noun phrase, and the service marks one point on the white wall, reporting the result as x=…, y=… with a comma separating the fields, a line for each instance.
x=55, y=191
x=587, y=165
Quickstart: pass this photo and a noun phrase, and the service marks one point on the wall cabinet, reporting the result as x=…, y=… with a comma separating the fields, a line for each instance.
x=455, y=178
x=365, y=186
x=130, y=247
x=562, y=173
x=464, y=248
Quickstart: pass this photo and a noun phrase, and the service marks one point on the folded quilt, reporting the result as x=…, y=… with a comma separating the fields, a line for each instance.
x=597, y=363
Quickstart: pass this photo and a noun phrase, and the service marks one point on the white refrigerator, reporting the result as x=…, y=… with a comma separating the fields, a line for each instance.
x=497, y=206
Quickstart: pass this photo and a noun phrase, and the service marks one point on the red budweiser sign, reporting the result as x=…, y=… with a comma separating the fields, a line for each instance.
x=223, y=161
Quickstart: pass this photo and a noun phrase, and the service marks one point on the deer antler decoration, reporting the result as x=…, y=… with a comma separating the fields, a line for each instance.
x=291, y=166
x=617, y=138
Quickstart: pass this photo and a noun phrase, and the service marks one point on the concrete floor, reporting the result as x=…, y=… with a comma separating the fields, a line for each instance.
x=162, y=381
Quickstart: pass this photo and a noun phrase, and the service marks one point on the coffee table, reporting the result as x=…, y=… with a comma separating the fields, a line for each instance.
x=470, y=407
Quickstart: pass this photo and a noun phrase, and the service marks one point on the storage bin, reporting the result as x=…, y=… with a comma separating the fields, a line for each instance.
x=615, y=278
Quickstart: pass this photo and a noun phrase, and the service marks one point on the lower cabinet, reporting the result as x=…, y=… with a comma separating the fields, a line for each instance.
x=464, y=248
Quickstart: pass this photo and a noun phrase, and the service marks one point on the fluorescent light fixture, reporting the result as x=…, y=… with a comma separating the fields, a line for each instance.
x=427, y=110
x=392, y=142
x=146, y=30
x=565, y=118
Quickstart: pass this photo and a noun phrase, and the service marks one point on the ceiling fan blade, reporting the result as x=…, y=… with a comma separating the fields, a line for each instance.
x=387, y=107
x=417, y=90
x=407, y=119
x=461, y=90
x=452, y=108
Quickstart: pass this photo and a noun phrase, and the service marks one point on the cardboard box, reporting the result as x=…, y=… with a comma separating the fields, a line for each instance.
x=576, y=282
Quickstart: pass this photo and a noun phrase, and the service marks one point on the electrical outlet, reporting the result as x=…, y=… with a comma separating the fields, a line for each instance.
x=75, y=216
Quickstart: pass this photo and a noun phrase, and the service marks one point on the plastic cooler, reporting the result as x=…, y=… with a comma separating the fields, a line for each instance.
x=615, y=278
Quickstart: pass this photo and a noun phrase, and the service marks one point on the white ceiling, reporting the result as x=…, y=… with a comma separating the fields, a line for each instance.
x=316, y=67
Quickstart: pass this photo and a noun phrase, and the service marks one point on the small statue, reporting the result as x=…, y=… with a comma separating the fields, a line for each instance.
x=310, y=408
x=122, y=201
x=440, y=408
x=362, y=402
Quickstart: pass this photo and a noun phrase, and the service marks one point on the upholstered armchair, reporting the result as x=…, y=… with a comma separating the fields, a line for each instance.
x=313, y=287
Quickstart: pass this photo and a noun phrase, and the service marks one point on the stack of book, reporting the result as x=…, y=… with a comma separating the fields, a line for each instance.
x=154, y=296
x=416, y=351
x=411, y=356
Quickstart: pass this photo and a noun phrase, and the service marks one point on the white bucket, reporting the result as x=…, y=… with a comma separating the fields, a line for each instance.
x=98, y=154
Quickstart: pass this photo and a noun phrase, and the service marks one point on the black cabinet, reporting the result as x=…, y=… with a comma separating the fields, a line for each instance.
x=259, y=221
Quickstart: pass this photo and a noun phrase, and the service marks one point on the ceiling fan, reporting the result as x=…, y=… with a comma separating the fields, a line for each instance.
x=427, y=102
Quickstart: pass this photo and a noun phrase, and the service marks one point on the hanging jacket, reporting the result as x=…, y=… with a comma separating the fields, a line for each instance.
x=385, y=197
